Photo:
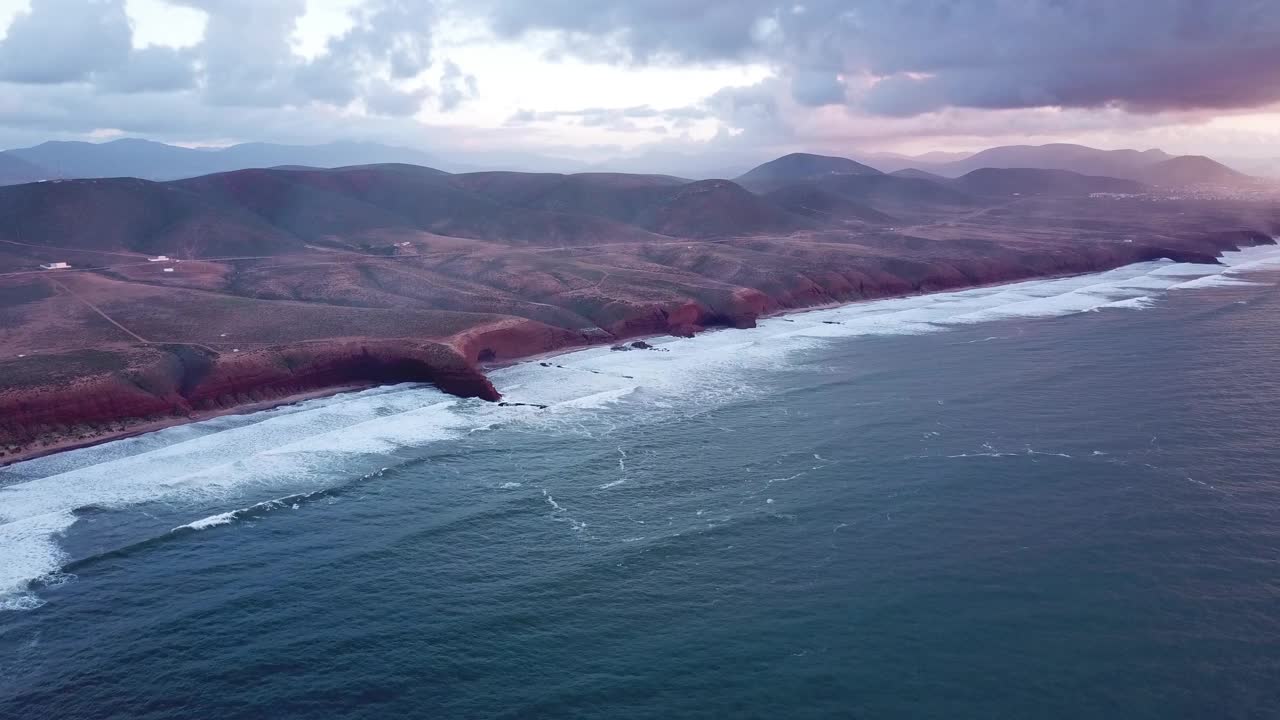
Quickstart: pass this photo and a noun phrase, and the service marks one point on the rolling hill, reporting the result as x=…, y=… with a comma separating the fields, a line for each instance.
x=15, y=170
x=660, y=203
x=919, y=175
x=1190, y=170
x=1057, y=156
x=799, y=167
x=899, y=196
x=811, y=200
x=1151, y=167
x=1036, y=181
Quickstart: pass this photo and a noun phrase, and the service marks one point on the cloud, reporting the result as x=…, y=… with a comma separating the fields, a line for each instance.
x=150, y=69
x=246, y=59
x=456, y=87
x=842, y=72
x=61, y=41
x=624, y=30
x=925, y=55
x=817, y=87
x=389, y=42
x=758, y=110
x=614, y=118
x=39, y=112
x=245, y=54
x=384, y=99
x=65, y=64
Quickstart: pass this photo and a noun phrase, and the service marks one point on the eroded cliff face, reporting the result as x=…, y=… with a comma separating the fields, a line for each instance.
x=513, y=338
x=737, y=308
x=159, y=382
x=89, y=406
x=52, y=401
x=309, y=366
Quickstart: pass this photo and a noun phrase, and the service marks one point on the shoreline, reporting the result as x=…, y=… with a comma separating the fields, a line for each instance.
x=781, y=313
x=483, y=368
x=151, y=426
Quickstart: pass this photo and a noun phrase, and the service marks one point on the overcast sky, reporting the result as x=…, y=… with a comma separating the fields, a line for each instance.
x=595, y=78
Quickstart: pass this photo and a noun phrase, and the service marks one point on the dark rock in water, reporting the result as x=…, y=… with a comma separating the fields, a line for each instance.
x=545, y=364
x=639, y=345
x=520, y=404
x=831, y=322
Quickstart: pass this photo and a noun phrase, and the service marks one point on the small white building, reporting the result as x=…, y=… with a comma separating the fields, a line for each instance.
x=158, y=258
x=55, y=266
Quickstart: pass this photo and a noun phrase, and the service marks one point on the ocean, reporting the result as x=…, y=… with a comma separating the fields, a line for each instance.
x=1052, y=499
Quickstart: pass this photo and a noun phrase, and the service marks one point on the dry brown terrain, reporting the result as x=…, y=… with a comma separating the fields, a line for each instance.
x=288, y=282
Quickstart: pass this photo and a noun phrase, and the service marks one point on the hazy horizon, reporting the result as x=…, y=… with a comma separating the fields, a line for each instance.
x=691, y=164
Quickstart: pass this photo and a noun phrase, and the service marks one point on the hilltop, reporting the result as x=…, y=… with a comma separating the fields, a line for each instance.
x=799, y=167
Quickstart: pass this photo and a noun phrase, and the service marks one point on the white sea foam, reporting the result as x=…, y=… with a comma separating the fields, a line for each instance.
x=558, y=513
x=306, y=447
x=289, y=501
x=225, y=518
x=1138, y=303
x=30, y=551
x=597, y=400
x=20, y=600
x=320, y=443
x=1184, y=270
x=1252, y=259
x=1212, y=281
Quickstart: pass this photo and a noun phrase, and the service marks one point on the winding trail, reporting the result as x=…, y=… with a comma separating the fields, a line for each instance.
x=98, y=310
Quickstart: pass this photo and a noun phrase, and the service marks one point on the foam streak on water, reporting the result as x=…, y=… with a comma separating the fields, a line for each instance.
x=324, y=443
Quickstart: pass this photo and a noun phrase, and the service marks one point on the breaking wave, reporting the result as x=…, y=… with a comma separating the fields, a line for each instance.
x=292, y=452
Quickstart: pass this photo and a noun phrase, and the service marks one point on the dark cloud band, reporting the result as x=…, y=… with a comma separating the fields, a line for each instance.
x=923, y=55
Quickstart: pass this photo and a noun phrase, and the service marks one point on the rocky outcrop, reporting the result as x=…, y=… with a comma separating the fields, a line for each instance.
x=154, y=383
x=309, y=366
x=514, y=338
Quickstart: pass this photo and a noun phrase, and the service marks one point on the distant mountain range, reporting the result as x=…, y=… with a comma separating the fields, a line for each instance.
x=157, y=161
x=1150, y=167
x=357, y=207
x=824, y=186
x=1076, y=158
x=150, y=160
x=892, y=162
